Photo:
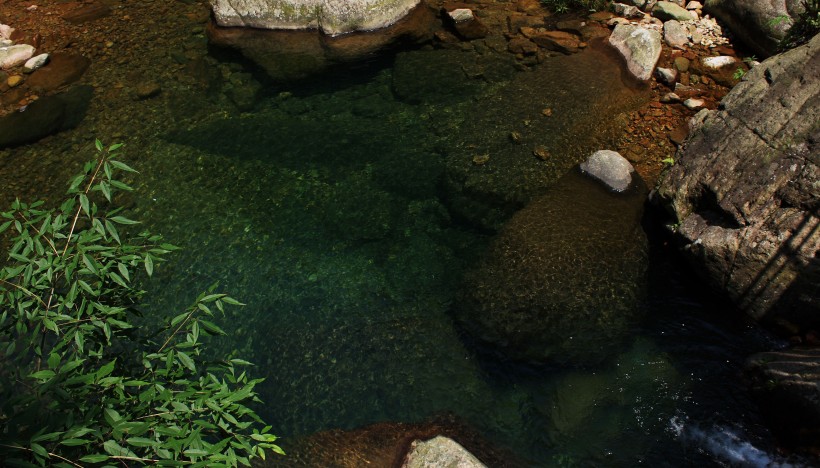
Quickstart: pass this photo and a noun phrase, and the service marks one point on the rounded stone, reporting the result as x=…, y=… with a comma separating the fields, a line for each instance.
x=610, y=168
x=14, y=80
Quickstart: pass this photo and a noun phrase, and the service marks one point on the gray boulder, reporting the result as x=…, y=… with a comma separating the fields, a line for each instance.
x=564, y=279
x=761, y=25
x=609, y=167
x=640, y=47
x=675, y=34
x=787, y=385
x=438, y=452
x=330, y=16
x=666, y=11
x=745, y=190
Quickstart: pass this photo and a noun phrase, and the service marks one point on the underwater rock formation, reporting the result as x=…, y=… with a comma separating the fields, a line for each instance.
x=563, y=280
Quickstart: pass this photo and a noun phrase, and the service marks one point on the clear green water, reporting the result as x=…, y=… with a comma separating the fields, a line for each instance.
x=323, y=210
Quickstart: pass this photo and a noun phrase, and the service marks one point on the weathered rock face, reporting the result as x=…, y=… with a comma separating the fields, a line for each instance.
x=759, y=24
x=330, y=16
x=563, y=281
x=787, y=384
x=291, y=55
x=640, y=47
x=746, y=190
x=440, y=451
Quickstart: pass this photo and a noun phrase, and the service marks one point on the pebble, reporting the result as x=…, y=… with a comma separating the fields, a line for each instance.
x=667, y=76
x=481, y=159
x=670, y=98
x=147, y=89
x=541, y=153
x=5, y=31
x=693, y=103
x=719, y=62
x=682, y=64
x=14, y=80
x=35, y=62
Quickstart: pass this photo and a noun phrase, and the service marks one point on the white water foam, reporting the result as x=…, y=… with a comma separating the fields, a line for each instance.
x=726, y=445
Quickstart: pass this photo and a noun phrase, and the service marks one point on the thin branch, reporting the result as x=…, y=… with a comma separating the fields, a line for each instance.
x=31, y=294
x=80, y=208
x=49, y=453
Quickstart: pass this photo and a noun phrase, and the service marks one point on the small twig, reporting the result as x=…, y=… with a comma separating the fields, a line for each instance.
x=49, y=453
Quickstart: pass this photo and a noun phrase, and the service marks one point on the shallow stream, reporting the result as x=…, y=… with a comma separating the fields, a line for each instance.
x=336, y=210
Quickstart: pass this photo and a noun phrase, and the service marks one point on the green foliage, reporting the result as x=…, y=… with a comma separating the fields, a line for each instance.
x=563, y=6
x=80, y=384
x=739, y=73
x=805, y=27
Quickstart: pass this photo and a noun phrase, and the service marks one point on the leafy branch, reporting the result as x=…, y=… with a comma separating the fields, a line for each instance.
x=82, y=385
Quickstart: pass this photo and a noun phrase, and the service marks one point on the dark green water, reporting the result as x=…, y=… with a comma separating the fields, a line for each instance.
x=324, y=210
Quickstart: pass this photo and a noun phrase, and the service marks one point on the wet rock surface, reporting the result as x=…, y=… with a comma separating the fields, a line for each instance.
x=294, y=55
x=744, y=190
x=437, y=452
x=561, y=283
x=387, y=444
x=787, y=384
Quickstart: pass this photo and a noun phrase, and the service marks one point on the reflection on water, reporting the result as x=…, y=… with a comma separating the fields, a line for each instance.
x=327, y=212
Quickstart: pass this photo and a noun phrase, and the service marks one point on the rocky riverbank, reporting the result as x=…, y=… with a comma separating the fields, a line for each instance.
x=143, y=56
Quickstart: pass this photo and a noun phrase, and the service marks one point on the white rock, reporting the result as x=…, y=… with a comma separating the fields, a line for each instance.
x=719, y=62
x=34, y=63
x=675, y=34
x=331, y=16
x=694, y=5
x=610, y=168
x=6, y=42
x=5, y=31
x=15, y=55
x=641, y=47
x=461, y=14
x=440, y=452
x=693, y=103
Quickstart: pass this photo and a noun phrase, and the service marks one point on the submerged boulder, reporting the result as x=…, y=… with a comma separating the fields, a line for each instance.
x=330, y=16
x=564, y=279
x=745, y=191
x=288, y=55
x=45, y=116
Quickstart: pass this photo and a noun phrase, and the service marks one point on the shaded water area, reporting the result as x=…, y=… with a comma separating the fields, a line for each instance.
x=345, y=211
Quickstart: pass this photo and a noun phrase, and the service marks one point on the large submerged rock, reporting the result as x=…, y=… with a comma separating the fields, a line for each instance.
x=330, y=16
x=759, y=24
x=45, y=116
x=746, y=190
x=288, y=55
x=564, y=279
